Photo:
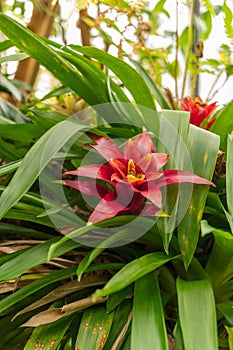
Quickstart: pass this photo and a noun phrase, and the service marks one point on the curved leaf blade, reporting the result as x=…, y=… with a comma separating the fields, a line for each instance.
x=94, y=329
x=223, y=125
x=32, y=257
x=220, y=263
x=203, y=150
x=160, y=98
x=130, y=78
x=48, y=336
x=148, y=324
x=39, y=156
x=35, y=47
x=197, y=314
x=133, y=271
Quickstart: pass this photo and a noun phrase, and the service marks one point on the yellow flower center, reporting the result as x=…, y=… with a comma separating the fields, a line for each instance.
x=132, y=175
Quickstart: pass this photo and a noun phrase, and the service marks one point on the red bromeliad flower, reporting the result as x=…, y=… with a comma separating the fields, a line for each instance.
x=135, y=176
x=200, y=112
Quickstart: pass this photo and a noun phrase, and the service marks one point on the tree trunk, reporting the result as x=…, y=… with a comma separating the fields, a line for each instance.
x=41, y=23
x=84, y=28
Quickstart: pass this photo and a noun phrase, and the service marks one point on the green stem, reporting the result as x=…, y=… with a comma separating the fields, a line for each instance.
x=189, y=45
x=194, y=77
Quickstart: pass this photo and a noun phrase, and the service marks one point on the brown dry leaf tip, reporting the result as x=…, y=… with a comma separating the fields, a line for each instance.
x=44, y=317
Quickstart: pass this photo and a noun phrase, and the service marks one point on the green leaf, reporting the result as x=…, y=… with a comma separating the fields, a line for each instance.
x=35, y=47
x=88, y=71
x=42, y=282
x=209, y=6
x=207, y=19
x=159, y=97
x=8, y=168
x=197, y=314
x=49, y=335
x=230, y=337
x=64, y=290
x=123, y=234
x=203, y=150
x=148, y=324
x=32, y=257
x=20, y=132
x=39, y=155
x=92, y=68
x=229, y=172
x=183, y=40
x=119, y=236
x=228, y=18
x=159, y=6
x=129, y=77
x=4, y=45
x=224, y=125
x=116, y=299
x=25, y=216
x=179, y=343
x=45, y=120
x=94, y=329
x=133, y=271
x=229, y=70
x=11, y=112
x=220, y=263
x=215, y=207
x=61, y=90
x=15, y=57
x=9, y=229
x=173, y=134
x=226, y=310
x=10, y=87
x=120, y=325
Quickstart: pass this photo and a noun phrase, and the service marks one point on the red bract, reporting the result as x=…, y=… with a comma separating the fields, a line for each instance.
x=200, y=112
x=135, y=176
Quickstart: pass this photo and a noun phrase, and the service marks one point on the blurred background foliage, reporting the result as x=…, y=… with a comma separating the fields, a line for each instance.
x=168, y=39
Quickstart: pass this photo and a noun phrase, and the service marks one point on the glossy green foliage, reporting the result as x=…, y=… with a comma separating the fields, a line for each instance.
x=197, y=314
x=148, y=325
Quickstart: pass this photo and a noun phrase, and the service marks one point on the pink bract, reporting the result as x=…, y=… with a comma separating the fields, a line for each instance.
x=135, y=175
x=200, y=112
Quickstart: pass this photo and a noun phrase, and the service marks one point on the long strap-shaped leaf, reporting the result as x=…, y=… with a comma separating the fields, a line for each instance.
x=197, y=314
x=224, y=124
x=148, y=326
x=94, y=329
x=220, y=263
x=173, y=134
x=129, y=77
x=91, y=67
x=160, y=98
x=48, y=336
x=32, y=257
x=35, y=47
x=229, y=182
x=203, y=149
x=133, y=271
x=39, y=155
x=34, y=286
